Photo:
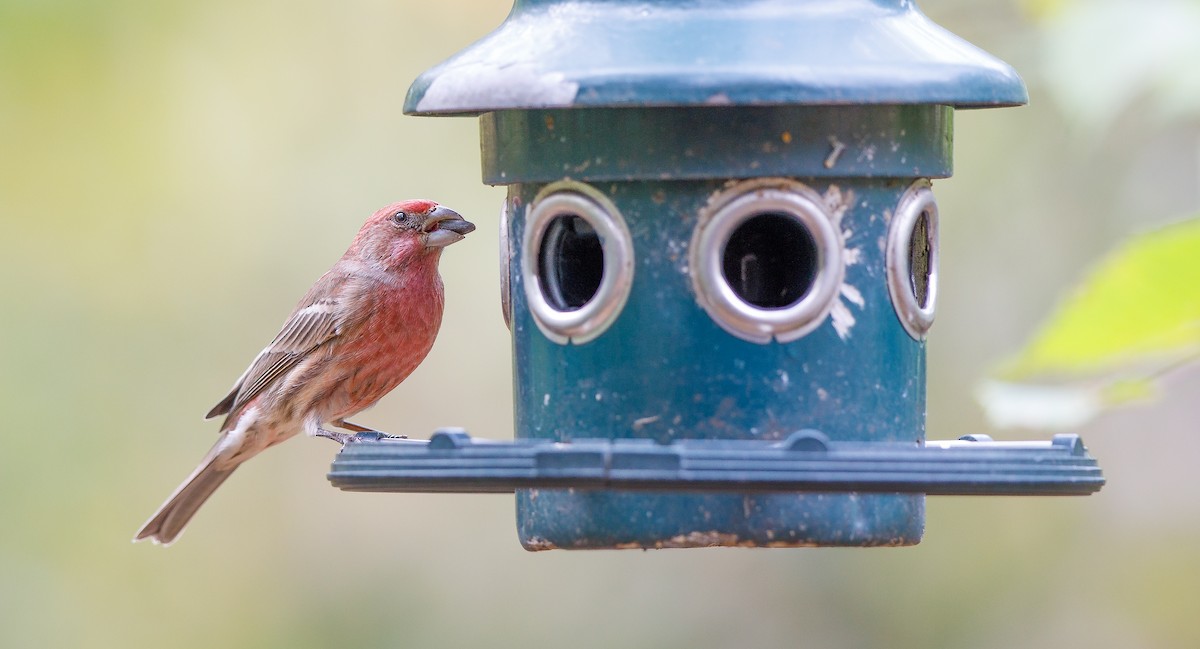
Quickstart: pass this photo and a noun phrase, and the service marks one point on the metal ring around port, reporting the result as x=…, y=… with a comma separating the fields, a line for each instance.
x=590, y=320
x=917, y=200
x=505, y=268
x=733, y=207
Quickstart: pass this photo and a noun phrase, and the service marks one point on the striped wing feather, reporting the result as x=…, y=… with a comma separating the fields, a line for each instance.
x=314, y=323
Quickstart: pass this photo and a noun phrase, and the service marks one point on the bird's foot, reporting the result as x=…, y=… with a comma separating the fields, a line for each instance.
x=371, y=433
x=378, y=435
x=361, y=434
x=337, y=436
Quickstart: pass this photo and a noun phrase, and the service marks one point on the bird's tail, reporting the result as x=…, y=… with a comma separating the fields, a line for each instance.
x=168, y=522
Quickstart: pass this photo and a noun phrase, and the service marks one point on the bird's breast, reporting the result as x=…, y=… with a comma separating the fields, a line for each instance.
x=393, y=340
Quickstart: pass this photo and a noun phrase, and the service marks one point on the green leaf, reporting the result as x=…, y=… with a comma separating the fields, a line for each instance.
x=1124, y=391
x=1139, y=308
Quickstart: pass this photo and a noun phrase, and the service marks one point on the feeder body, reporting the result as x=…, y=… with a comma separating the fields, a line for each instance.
x=664, y=370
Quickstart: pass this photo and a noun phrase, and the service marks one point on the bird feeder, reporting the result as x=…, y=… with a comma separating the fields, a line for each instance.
x=719, y=268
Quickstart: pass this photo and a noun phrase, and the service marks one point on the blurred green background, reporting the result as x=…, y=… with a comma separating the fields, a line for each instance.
x=174, y=175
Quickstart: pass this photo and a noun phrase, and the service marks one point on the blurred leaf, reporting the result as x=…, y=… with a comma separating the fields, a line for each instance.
x=1102, y=56
x=1134, y=318
x=1142, y=304
x=1047, y=407
x=1040, y=10
x=1124, y=391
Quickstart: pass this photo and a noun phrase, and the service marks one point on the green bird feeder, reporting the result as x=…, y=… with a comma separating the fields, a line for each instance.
x=720, y=263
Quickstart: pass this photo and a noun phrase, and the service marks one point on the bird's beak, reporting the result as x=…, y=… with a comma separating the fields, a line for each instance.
x=444, y=226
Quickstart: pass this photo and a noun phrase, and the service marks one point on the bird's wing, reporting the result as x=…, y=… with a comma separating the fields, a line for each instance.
x=314, y=323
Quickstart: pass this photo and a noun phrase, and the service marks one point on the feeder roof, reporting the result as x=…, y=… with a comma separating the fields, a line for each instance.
x=607, y=53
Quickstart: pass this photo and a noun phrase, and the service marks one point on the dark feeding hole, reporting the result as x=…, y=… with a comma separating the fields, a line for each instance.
x=771, y=260
x=920, y=263
x=570, y=262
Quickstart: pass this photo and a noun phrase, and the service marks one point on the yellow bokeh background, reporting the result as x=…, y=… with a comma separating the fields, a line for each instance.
x=174, y=175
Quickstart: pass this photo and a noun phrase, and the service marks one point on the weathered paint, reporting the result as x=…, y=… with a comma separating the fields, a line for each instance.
x=664, y=370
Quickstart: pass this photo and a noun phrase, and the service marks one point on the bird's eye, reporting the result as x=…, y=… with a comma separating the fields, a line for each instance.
x=398, y=218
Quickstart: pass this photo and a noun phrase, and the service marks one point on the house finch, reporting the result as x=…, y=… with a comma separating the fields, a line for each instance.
x=357, y=333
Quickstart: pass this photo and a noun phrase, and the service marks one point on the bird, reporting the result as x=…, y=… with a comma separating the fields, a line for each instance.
x=361, y=329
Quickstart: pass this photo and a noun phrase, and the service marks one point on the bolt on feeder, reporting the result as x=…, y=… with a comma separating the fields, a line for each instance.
x=720, y=263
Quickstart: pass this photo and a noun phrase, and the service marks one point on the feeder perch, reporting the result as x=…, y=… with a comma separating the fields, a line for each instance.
x=720, y=264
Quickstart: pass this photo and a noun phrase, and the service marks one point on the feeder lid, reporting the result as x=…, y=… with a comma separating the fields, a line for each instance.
x=807, y=461
x=575, y=53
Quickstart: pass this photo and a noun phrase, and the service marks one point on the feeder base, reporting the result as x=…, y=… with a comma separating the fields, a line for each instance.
x=578, y=520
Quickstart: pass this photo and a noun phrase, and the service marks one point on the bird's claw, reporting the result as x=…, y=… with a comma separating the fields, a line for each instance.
x=375, y=435
x=339, y=437
x=349, y=438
